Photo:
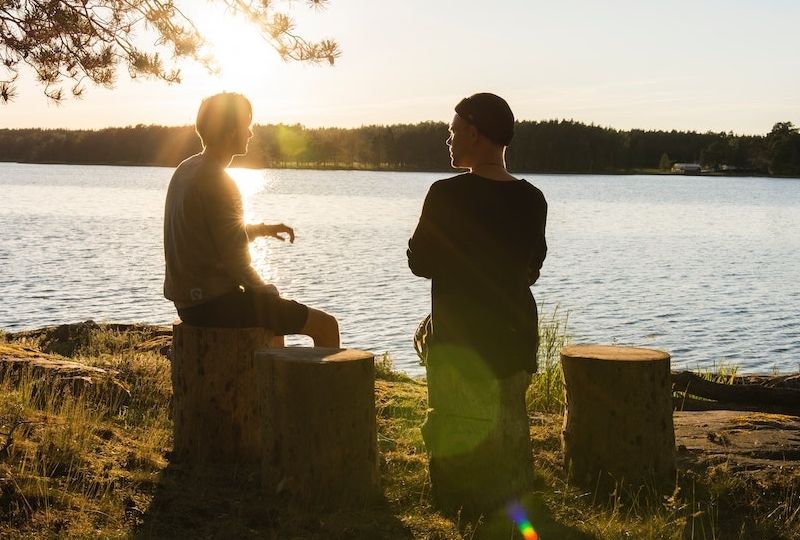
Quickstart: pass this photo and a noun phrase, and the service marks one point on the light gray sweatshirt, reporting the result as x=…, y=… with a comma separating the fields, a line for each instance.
x=205, y=238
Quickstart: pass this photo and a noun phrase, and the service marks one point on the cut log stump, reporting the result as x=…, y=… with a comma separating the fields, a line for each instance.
x=215, y=400
x=320, y=432
x=618, y=422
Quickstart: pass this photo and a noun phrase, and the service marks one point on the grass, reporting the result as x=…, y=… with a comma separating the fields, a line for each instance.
x=72, y=464
x=722, y=372
x=73, y=467
x=546, y=392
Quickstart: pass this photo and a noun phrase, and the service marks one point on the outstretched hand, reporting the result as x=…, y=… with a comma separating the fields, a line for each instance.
x=278, y=231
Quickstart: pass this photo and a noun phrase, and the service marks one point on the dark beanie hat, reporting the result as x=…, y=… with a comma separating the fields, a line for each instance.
x=491, y=116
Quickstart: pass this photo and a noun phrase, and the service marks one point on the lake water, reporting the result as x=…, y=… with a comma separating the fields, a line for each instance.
x=705, y=268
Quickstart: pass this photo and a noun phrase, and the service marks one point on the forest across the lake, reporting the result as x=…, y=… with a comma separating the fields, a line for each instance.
x=552, y=146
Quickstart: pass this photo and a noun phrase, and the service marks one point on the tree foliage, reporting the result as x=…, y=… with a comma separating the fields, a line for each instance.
x=783, y=143
x=556, y=146
x=78, y=41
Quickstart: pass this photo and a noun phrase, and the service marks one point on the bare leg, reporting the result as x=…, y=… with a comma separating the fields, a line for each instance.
x=322, y=328
x=277, y=342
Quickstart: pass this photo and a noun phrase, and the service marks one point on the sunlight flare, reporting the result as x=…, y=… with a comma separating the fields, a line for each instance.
x=517, y=513
x=250, y=182
x=241, y=55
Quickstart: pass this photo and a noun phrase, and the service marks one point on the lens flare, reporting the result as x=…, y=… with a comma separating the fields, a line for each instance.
x=517, y=513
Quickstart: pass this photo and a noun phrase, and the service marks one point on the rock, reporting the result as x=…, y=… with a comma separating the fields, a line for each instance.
x=161, y=344
x=757, y=445
x=70, y=339
x=52, y=375
x=67, y=339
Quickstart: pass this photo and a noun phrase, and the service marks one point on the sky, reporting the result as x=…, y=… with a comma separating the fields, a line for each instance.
x=702, y=65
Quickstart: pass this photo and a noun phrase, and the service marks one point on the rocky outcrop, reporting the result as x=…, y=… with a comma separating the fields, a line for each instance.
x=50, y=378
x=76, y=338
x=764, y=447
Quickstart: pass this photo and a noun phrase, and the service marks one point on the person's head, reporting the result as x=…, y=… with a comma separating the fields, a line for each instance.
x=223, y=122
x=481, y=129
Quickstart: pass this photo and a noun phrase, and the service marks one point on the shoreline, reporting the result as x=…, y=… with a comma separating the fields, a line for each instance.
x=322, y=167
x=69, y=329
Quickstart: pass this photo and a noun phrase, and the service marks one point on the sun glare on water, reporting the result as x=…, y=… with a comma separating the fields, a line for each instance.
x=249, y=182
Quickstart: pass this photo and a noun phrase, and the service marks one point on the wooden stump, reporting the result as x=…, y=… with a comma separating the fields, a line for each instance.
x=215, y=401
x=618, y=421
x=320, y=432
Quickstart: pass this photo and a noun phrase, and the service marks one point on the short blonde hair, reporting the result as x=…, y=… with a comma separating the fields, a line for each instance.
x=221, y=113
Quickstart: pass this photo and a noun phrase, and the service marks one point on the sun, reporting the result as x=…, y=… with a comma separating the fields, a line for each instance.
x=243, y=57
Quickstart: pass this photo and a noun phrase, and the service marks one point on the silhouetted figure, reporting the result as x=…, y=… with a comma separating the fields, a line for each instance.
x=208, y=272
x=481, y=241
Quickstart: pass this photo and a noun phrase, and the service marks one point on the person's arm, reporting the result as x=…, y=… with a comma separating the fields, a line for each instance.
x=222, y=206
x=277, y=230
x=422, y=247
x=540, y=245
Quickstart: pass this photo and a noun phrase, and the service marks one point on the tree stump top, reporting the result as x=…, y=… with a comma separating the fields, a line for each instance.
x=614, y=353
x=316, y=355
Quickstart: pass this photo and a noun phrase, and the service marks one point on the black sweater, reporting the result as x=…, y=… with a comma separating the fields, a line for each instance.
x=482, y=243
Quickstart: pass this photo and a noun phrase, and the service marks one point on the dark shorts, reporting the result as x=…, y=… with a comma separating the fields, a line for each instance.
x=248, y=309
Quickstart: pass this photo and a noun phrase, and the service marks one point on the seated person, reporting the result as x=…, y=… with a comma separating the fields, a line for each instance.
x=209, y=275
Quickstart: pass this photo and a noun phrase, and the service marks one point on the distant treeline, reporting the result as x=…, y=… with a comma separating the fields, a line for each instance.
x=547, y=146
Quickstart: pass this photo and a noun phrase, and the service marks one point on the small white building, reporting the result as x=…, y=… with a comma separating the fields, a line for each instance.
x=686, y=168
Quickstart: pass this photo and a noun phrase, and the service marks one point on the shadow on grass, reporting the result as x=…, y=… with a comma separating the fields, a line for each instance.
x=531, y=514
x=226, y=502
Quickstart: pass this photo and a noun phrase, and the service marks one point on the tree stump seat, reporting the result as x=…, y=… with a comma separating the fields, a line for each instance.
x=215, y=399
x=618, y=425
x=319, y=426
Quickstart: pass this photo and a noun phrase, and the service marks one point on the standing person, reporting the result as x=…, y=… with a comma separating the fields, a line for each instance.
x=481, y=241
x=209, y=275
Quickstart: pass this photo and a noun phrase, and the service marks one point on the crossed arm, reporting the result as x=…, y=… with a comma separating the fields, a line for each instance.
x=426, y=253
